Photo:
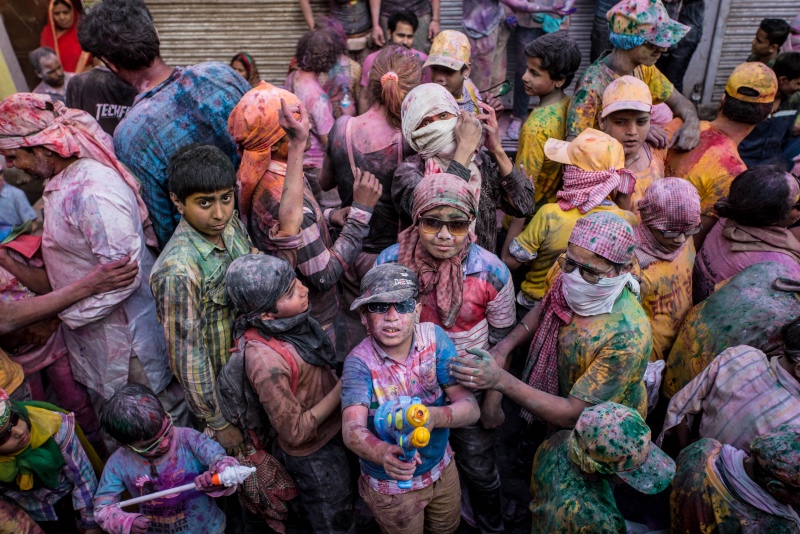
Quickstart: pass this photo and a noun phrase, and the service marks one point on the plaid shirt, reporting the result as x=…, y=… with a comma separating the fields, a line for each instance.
x=188, y=283
x=76, y=476
x=585, y=190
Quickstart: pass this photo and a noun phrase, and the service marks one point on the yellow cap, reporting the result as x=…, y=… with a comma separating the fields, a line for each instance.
x=592, y=150
x=627, y=92
x=756, y=77
x=449, y=49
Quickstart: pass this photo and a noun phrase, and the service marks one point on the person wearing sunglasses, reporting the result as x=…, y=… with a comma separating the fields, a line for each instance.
x=448, y=140
x=156, y=456
x=403, y=356
x=468, y=291
x=754, y=227
x=670, y=212
x=44, y=467
x=289, y=363
x=591, y=337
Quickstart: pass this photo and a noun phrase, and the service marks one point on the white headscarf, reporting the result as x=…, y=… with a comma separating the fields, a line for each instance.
x=436, y=142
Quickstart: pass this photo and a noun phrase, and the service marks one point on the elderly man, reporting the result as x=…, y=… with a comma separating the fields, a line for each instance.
x=573, y=470
x=93, y=214
x=593, y=338
x=718, y=488
x=48, y=68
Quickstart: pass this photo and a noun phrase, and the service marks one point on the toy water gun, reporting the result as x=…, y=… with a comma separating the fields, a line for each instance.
x=230, y=476
x=402, y=422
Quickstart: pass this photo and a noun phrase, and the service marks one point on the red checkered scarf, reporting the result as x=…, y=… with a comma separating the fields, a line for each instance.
x=541, y=369
x=669, y=205
x=585, y=190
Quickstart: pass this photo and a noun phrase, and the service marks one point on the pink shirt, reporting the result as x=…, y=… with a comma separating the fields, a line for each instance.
x=716, y=263
x=91, y=217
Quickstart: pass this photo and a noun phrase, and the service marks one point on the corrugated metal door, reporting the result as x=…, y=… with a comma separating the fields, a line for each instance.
x=737, y=23
x=193, y=31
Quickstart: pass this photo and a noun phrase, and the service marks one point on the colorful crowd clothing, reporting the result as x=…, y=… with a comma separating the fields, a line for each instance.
x=484, y=23
x=547, y=122
x=309, y=90
x=587, y=102
x=190, y=454
x=470, y=96
x=513, y=194
x=666, y=293
x=703, y=499
x=372, y=377
x=101, y=94
x=14, y=520
x=740, y=395
x=15, y=209
x=346, y=71
x=56, y=94
x=566, y=501
x=353, y=15
x=653, y=173
x=76, y=477
x=487, y=309
x=546, y=237
x=287, y=403
x=190, y=106
x=719, y=260
x=603, y=357
x=749, y=309
x=418, y=7
x=91, y=217
x=710, y=167
x=188, y=283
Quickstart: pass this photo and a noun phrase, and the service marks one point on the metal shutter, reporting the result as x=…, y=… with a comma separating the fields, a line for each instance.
x=193, y=31
x=737, y=22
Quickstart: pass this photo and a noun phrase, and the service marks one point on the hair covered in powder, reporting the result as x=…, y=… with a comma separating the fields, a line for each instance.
x=133, y=413
x=392, y=90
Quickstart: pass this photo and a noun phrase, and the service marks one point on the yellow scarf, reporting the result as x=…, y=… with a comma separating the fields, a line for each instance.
x=44, y=424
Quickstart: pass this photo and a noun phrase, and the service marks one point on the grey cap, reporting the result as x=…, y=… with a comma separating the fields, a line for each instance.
x=389, y=282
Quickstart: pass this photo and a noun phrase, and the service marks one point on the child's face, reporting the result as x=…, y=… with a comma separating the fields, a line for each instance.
x=390, y=329
x=208, y=213
x=787, y=87
x=646, y=54
x=158, y=446
x=292, y=303
x=537, y=81
x=629, y=127
x=443, y=245
x=761, y=45
x=452, y=80
x=15, y=437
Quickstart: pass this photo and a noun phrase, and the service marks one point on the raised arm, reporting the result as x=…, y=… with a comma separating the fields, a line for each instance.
x=308, y=14
x=688, y=135
x=290, y=212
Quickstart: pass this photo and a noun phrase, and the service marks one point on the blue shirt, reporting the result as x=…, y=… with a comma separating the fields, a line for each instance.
x=191, y=106
x=14, y=206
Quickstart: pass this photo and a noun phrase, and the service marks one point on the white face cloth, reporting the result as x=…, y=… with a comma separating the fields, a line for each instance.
x=437, y=138
x=595, y=299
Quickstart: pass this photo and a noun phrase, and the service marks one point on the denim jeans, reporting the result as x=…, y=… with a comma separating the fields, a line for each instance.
x=522, y=36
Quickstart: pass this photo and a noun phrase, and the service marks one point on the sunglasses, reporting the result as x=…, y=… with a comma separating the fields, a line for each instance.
x=591, y=276
x=673, y=235
x=505, y=88
x=406, y=306
x=12, y=422
x=157, y=442
x=457, y=228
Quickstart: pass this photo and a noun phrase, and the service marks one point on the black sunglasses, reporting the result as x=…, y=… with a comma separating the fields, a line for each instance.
x=406, y=306
x=12, y=422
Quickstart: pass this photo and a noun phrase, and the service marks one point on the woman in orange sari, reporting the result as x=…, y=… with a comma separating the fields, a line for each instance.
x=61, y=34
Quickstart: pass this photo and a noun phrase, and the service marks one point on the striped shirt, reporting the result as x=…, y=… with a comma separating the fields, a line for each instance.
x=76, y=476
x=188, y=283
x=487, y=310
x=740, y=395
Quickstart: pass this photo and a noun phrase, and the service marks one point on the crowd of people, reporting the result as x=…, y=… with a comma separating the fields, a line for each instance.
x=228, y=274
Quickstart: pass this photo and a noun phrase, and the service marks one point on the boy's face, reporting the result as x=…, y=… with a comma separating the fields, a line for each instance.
x=787, y=87
x=391, y=329
x=452, y=80
x=629, y=127
x=160, y=444
x=208, y=213
x=403, y=34
x=537, y=81
x=443, y=245
x=646, y=54
x=292, y=303
x=761, y=45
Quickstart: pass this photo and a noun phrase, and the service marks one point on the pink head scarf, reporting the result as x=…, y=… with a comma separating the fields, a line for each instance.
x=669, y=205
x=30, y=120
x=585, y=190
